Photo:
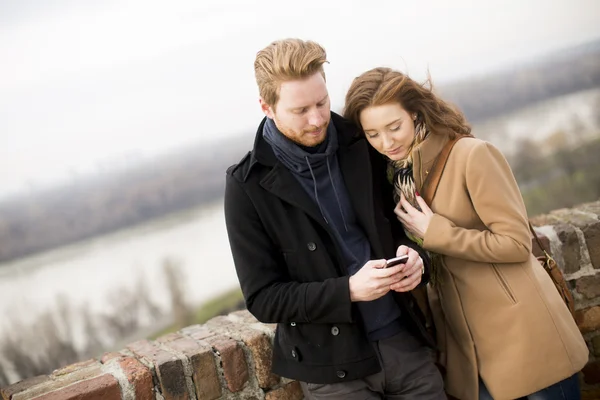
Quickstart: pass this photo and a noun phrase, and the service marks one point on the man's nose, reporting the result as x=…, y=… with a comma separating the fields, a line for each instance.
x=316, y=118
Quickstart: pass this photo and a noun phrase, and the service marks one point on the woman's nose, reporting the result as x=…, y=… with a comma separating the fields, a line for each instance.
x=387, y=141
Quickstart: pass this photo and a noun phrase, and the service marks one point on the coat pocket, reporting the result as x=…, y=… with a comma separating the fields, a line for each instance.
x=504, y=284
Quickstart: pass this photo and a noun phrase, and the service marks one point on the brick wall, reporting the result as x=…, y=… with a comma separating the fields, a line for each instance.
x=229, y=357
x=574, y=236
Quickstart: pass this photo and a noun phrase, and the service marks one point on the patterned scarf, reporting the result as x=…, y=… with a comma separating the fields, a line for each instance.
x=400, y=174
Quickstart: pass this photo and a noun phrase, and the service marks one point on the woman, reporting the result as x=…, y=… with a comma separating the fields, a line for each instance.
x=503, y=331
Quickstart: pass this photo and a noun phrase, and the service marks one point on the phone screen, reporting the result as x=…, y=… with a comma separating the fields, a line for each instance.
x=395, y=261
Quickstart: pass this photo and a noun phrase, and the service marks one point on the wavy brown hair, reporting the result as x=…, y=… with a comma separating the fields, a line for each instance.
x=380, y=86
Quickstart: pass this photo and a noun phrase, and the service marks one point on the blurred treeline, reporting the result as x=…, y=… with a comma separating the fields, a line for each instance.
x=570, y=175
x=98, y=205
x=558, y=74
x=194, y=176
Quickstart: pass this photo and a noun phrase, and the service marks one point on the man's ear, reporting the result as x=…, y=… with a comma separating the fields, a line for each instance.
x=267, y=109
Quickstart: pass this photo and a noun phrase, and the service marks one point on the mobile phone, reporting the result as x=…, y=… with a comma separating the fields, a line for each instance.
x=395, y=261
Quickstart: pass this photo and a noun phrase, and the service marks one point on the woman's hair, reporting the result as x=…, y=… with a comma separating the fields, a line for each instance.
x=286, y=60
x=380, y=86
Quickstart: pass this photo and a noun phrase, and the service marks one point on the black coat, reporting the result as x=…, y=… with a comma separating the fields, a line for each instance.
x=290, y=268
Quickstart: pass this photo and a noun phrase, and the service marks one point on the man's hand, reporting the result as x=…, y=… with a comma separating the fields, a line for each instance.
x=412, y=272
x=373, y=280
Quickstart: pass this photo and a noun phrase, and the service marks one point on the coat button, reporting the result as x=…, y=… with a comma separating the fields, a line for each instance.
x=294, y=354
x=335, y=331
x=311, y=246
x=292, y=323
x=341, y=374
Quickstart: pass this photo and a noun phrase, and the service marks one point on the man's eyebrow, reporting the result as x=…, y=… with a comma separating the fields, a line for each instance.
x=391, y=123
x=301, y=107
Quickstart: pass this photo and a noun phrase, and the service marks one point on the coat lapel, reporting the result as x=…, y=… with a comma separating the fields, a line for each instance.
x=356, y=171
x=426, y=153
x=282, y=184
x=355, y=164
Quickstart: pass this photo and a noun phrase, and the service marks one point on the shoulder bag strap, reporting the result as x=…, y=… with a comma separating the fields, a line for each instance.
x=435, y=174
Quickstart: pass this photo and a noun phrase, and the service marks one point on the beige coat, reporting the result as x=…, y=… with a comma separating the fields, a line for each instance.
x=496, y=311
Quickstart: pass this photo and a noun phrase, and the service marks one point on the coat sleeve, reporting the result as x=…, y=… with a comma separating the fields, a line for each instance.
x=498, y=203
x=270, y=294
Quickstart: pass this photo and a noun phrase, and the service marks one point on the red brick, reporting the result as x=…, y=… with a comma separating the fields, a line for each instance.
x=570, y=246
x=592, y=207
x=588, y=319
x=291, y=391
x=75, y=367
x=596, y=345
x=262, y=352
x=104, y=387
x=91, y=370
x=8, y=391
x=169, y=369
x=259, y=344
x=168, y=337
x=591, y=372
x=56, y=382
x=589, y=286
x=106, y=357
x=235, y=368
x=592, y=240
x=244, y=316
x=139, y=376
x=197, y=332
x=205, y=374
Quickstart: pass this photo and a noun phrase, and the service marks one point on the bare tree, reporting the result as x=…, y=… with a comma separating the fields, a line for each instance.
x=49, y=342
x=3, y=376
x=182, y=314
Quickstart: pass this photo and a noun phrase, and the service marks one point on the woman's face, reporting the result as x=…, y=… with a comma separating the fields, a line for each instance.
x=389, y=128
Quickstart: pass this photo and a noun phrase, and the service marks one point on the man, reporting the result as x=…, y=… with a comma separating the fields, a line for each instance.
x=310, y=223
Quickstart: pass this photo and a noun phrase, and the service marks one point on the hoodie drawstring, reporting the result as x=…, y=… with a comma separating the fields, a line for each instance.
x=316, y=193
x=337, y=197
x=335, y=192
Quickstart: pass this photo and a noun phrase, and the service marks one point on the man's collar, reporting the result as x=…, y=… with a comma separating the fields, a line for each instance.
x=263, y=153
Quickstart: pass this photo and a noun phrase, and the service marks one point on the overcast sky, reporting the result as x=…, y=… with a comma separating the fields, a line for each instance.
x=87, y=85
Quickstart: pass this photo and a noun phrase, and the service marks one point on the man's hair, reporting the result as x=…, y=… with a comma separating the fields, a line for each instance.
x=286, y=60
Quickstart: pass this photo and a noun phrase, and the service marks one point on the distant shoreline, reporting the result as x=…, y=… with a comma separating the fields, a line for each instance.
x=65, y=251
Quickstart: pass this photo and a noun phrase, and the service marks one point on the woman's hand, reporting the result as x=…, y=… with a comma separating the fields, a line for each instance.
x=415, y=221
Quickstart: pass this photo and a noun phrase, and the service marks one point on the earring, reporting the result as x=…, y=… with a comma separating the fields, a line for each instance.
x=414, y=117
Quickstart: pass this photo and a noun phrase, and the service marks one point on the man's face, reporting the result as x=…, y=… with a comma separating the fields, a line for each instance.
x=303, y=110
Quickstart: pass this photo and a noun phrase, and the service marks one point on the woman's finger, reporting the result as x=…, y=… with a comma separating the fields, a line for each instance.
x=406, y=205
x=400, y=212
x=424, y=207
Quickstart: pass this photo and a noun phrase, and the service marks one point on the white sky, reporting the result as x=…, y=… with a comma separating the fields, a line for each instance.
x=86, y=86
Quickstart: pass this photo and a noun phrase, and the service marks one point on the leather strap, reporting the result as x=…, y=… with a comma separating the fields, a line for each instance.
x=435, y=174
x=539, y=242
x=433, y=179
